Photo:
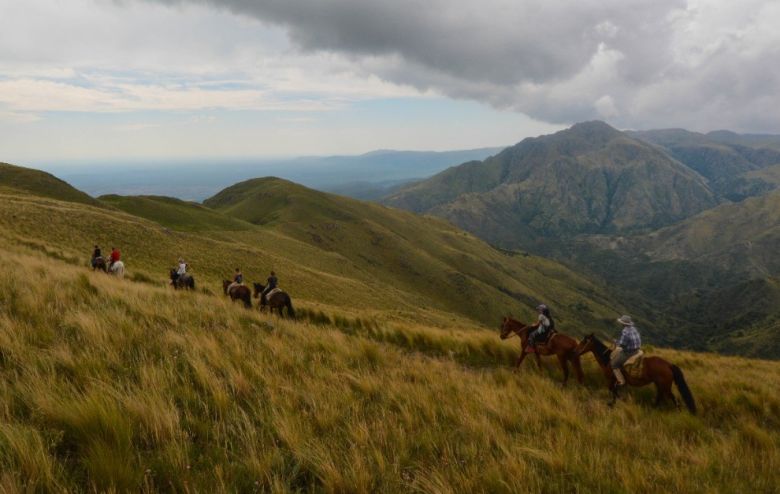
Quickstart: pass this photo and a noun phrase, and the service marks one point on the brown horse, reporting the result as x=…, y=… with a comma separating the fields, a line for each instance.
x=655, y=370
x=278, y=300
x=560, y=345
x=239, y=292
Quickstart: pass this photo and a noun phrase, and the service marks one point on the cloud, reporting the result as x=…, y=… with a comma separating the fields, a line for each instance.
x=640, y=63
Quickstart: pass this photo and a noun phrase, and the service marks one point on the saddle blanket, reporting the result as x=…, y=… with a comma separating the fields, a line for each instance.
x=634, y=366
x=272, y=293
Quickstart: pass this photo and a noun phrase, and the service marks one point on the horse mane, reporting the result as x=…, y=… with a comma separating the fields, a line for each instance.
x=601, y=351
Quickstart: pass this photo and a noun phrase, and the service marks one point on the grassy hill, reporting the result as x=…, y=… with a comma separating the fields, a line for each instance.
x=115, y=386
x=174, y=213
x=590, y=178
x=418, y=255
x=331, y=253
x=41, y=184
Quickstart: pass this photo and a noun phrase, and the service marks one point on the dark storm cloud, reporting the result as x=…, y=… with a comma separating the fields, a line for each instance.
x=637, y=63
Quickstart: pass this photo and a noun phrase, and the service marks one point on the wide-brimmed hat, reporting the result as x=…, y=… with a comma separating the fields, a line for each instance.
x=625, y=320
x=541, y=307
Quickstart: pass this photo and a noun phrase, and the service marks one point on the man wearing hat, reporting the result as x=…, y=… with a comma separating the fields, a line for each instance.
x=625, y=348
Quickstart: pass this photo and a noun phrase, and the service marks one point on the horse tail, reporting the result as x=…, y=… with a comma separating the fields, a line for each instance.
x=290, y=310
x=247, y=298
x=192, y=283
x=682, y=386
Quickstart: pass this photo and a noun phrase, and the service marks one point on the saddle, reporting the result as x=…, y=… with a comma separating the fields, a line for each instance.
x=634, y=366
x=272, y=293
x=543, y=342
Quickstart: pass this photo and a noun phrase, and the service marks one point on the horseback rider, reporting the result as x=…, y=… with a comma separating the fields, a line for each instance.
x=238, y=279
x=96, y=254
x=181, y=270
x=115, y=256
x=272, y=283
x=625, y=347
x=543, y=326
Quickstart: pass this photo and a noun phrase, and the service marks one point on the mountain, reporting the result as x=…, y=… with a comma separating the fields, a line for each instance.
x=712, y=280
x=174, y=213
x=412, y=253
x=727, y=160
x=590, y=178
x=41, y=184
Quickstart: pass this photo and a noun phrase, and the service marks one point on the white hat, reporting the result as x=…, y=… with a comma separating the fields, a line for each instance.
x=625, y=321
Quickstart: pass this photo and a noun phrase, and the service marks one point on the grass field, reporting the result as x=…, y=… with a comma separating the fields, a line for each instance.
x=110, y=385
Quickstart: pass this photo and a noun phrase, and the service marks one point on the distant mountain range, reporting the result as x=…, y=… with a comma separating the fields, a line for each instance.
x=367, y=176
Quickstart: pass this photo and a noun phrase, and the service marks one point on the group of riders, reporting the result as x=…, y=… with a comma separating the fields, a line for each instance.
x=98, y=261
x=627, y=345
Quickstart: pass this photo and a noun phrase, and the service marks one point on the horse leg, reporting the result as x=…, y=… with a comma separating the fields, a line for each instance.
x=520, y=359
x=565, y=368
x=659, y=395
x=538, y=360
x=577, y=364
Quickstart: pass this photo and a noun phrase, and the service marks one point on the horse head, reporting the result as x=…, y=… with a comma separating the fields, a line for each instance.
x=509, y=326
x=586, y=345
x=259, y=287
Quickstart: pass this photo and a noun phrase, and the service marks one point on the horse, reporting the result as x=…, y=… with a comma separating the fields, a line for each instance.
x=560, y=345
x=117, y=269
x=185, y=281
x=101, y=264
x=655, y=370
x=239, y=292
x=279, y=300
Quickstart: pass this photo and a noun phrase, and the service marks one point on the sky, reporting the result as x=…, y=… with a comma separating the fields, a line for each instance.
x=177, y=79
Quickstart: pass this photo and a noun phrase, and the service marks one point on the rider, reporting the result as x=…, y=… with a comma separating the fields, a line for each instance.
x=115, y=256
x=625, y=347
x=543, y=325
x=96, y=254
x=181, y=270
x=272, y=283
x=238, y=279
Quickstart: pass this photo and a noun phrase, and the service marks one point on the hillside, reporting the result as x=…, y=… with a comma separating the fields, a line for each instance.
x=414, y=254
x=330, y=252
x=111, y=385
x=711, y=279
x=590, y=178
x=41, y=184
x=174, y=213
x=725, y=159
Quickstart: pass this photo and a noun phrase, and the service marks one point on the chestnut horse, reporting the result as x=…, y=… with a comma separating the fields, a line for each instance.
x=655, y=370
x=560, y=345
x=278, y=301
x=239, y=292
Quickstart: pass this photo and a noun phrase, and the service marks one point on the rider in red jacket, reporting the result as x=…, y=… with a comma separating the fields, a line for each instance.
x=115, y=255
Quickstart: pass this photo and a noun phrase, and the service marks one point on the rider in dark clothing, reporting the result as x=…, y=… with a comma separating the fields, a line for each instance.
x=273, y=282
x=95, y=255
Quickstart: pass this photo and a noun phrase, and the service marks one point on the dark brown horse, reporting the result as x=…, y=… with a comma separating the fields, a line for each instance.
x=655, y=370
x=560, y=345
x=239, y=292
x=278, y=300
x=185, y=280
x=101, y=264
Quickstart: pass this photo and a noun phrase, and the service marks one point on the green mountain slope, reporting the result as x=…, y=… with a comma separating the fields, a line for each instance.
x=724, y=158
x=174, y=213
x=712, y=279
x=590, y=178
x=414, y=254
x=41, y=184
x=330, y=252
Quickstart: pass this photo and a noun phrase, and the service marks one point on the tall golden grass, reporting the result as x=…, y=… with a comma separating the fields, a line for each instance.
x=110, y=385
